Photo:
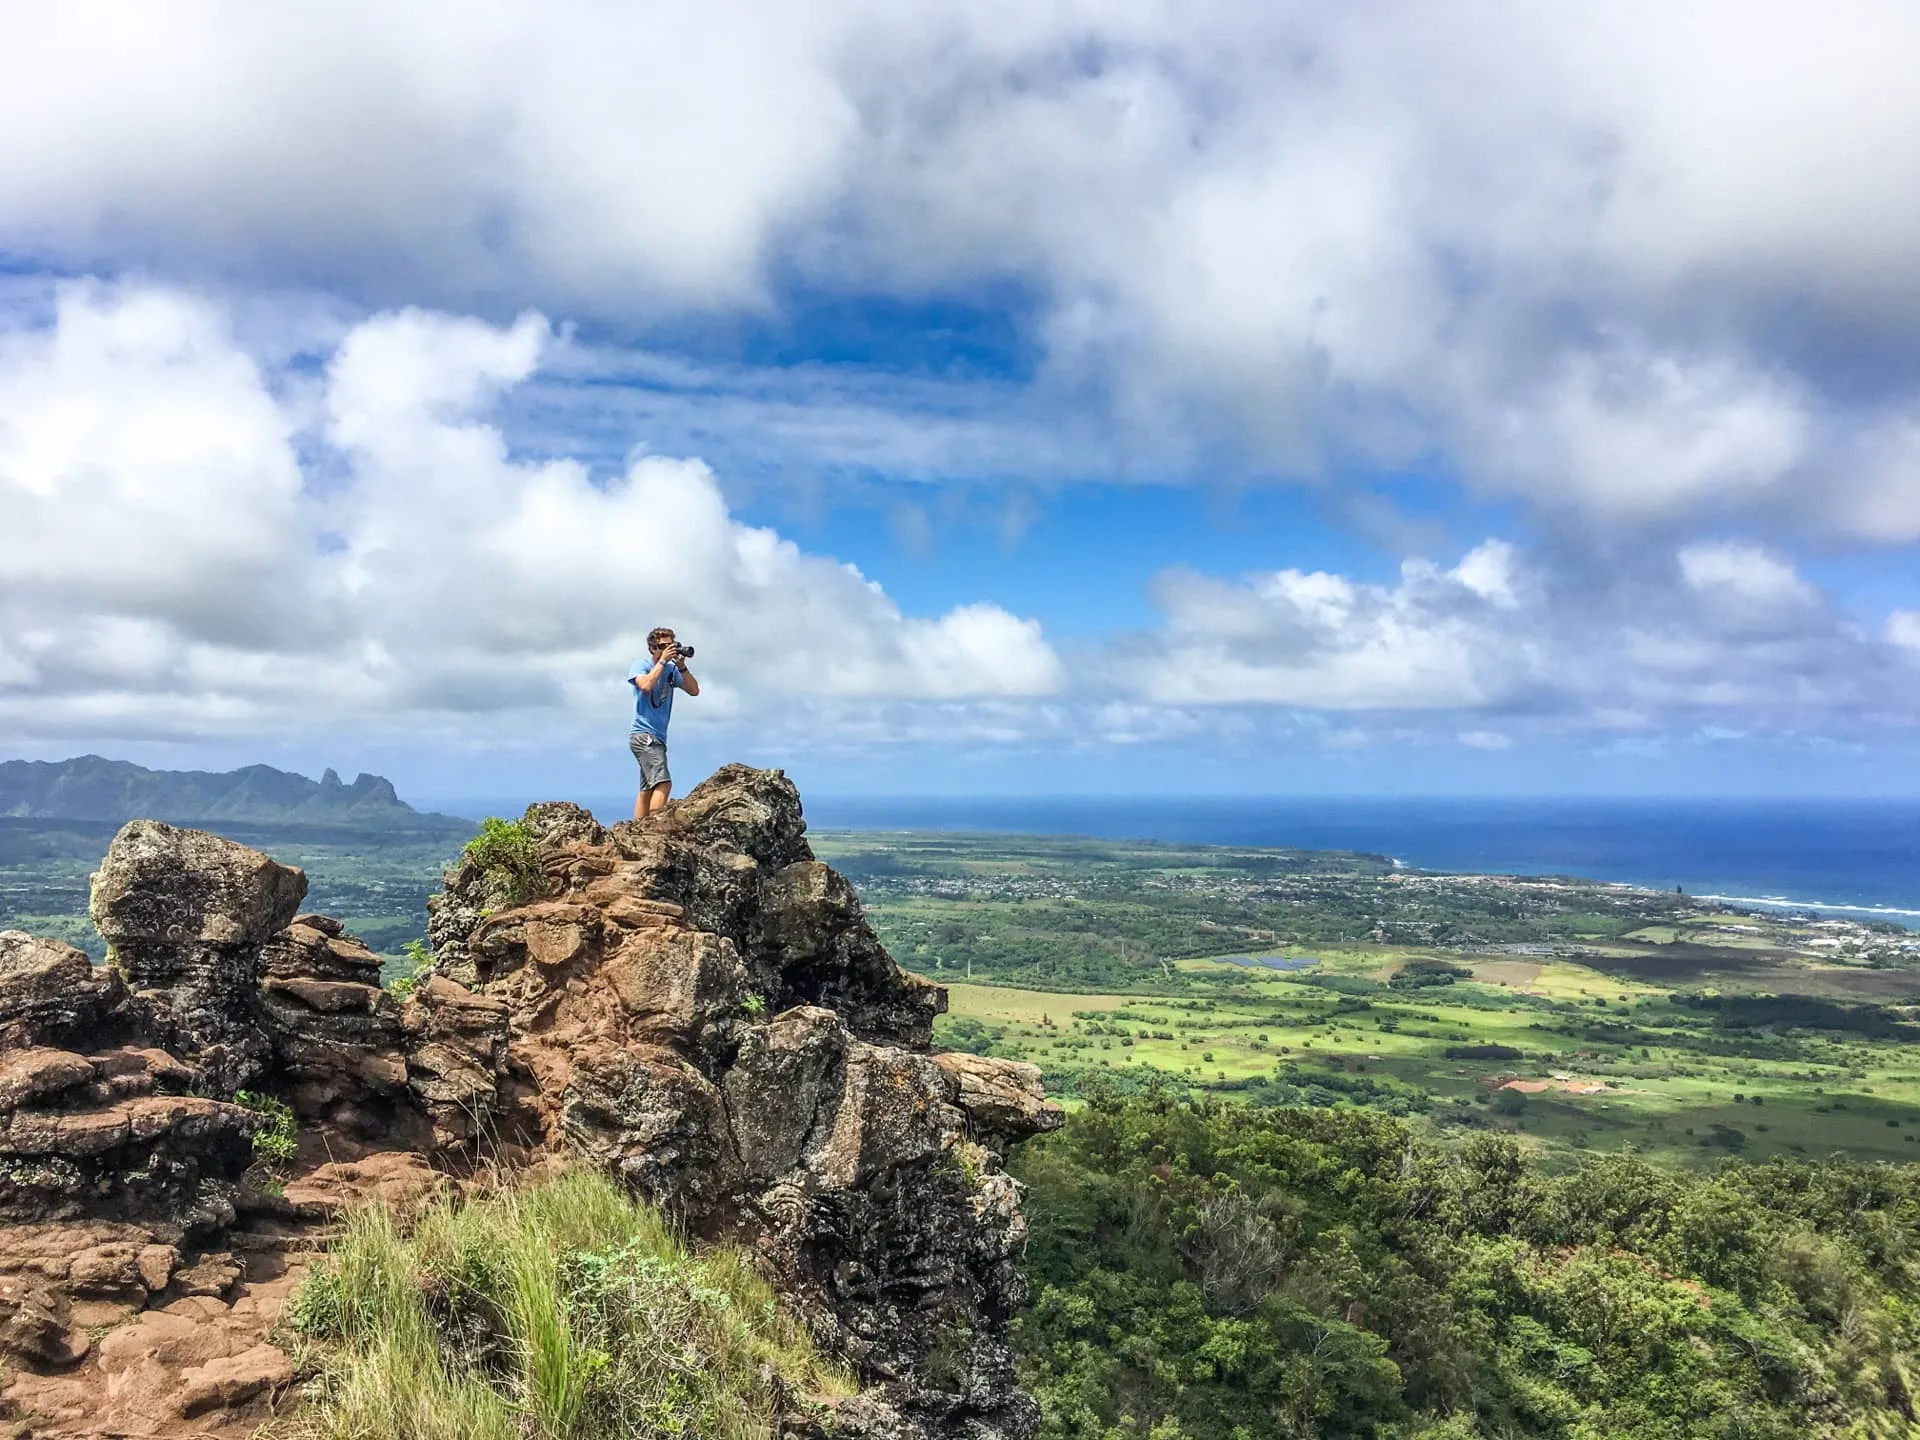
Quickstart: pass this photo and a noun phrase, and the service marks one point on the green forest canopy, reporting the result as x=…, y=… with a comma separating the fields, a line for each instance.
x=1205, y=1270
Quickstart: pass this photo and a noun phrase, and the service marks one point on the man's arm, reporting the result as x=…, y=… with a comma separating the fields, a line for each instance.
x=687, y=682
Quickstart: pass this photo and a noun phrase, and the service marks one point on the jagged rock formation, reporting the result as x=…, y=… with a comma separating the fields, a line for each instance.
x=115, y=1130
x=334, y=1032
x=694, y=1003
x=184, y=915
x=698, y=1004
x=49, y=990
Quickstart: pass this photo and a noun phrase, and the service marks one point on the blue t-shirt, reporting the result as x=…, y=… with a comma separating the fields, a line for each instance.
x=652, y=711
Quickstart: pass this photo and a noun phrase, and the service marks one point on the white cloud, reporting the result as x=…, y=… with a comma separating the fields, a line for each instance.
x=123, y=429
x=1438, y=639
x=1746, y=575
x=576, y=148
x=1871, y=484
x=1485, y=740
x=1491, y=571
x=1593, y=253
x=1726, y=629
x=1644, y=435
x=186, y=556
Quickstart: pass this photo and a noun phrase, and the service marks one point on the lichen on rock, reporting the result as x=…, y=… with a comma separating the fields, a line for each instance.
x=185, y=915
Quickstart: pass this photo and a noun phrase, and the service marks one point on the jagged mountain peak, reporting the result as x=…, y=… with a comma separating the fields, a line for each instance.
x=92, y=787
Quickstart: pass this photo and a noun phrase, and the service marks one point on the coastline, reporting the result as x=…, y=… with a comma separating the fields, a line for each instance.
x=1847, y=858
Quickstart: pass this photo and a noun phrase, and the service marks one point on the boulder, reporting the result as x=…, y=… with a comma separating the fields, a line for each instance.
x=1004, y=1100
x=318, y=947
x=36, y=1327
x=185, y=915
x=643, y=1114
x=677, y=987
x=812, y=945
x=233, y=1380
x=29, y=1076
x=813, y=1106
x=162, y=893
x=751, y=812
x=52, y=994
x=162, y=1158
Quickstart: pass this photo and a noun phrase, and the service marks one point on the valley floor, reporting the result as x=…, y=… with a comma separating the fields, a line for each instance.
x=1573, y=1015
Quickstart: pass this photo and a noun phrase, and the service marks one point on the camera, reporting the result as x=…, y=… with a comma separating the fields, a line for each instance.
x=682, y=652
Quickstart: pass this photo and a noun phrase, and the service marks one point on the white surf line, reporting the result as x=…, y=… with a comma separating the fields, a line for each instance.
x=1779, y=904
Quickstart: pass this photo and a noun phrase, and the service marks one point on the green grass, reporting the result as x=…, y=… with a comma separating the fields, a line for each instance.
x=1661, y=1067
x=564, y=1311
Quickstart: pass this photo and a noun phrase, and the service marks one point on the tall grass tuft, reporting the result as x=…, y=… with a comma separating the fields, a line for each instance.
x=564, y=1311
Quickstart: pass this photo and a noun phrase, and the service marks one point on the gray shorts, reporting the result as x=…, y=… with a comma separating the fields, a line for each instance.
x=652, y=755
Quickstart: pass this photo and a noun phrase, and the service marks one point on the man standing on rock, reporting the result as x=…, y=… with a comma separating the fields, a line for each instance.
x=654, y=680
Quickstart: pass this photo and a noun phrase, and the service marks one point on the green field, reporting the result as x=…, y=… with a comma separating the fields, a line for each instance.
x=1588, y=1061
x=1623, y=1019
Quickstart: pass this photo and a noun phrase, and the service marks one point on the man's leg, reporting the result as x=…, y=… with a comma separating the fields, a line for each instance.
x=655, y=782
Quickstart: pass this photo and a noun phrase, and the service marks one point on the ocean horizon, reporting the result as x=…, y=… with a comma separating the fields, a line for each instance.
x=1850, y=857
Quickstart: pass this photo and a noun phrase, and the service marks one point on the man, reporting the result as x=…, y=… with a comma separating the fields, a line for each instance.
x=653, y=685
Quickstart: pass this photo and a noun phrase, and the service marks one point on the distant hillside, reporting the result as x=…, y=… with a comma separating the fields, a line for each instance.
x=92, y=788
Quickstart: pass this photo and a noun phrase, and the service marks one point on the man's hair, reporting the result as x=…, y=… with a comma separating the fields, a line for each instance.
x=657, y=634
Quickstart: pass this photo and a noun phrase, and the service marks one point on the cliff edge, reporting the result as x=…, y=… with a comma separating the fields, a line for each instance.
x=693, y=1004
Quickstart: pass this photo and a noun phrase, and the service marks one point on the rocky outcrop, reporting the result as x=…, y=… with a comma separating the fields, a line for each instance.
x=694, y=1003
x=112, y=1329
x=49, y=992
x=96, y=1118
x=116, y=1082
x=1004, y=1099
x=456, y=1055
x=185, y=915
x=335, y=1033
x=699, y=1005
x=116, y=1133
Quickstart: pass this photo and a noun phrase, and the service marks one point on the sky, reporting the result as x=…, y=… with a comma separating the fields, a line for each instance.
x=1227, y=398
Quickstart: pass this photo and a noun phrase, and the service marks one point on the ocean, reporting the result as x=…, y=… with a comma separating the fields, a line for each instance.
x=1847, y=857
x=1858, y=858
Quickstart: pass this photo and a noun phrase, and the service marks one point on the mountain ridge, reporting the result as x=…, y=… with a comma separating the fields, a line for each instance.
x=92, y=787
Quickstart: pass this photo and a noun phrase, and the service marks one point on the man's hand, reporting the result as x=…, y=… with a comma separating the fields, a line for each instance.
x=671, y=655
x=652, y=677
